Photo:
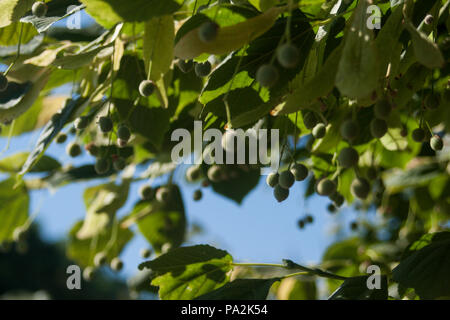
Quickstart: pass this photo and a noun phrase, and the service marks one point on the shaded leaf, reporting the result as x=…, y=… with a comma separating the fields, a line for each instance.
x=188, y=272
x=14, y=208
x=242, y=289
x=51, y=130
x=162, y=224
x=357, y=75
x=425, y=266
x=15, y=162
x=56, y=12
x=229, y=38
x=356, y=289
x=426, y=51
x=13, y=10
x=110, y=12
x=111, y=241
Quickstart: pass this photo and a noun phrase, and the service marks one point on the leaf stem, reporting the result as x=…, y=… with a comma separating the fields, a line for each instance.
x=18, y=51
x=289, y=265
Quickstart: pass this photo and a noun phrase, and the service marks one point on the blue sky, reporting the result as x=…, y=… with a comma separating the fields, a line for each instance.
x=259, y=230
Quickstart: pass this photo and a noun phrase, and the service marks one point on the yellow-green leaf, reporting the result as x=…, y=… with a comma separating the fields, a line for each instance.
x=229, y=38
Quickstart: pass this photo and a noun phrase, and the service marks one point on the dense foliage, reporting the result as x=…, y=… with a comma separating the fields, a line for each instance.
x=362, y=105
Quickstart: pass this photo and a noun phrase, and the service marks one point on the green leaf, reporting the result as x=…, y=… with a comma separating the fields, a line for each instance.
x=14, y=94
x=78, y=60
x=77, y=174
x=56, y=12
x=14, y=102
x=15, y=162
x=357, y=75
x=111, y=240
x=229, y=38
x=13, y=10
x=387, y=39
x=297, y=289
x=14, y=208
x=9, y=36
x=242, y=289
x=238, y=188
x=188, y=272
x=356, y=289
x=425, y=266
x=110, y=12
x=102, y=203
x=320, y=85
x=259, y=101
x=50, y=131
x=162, y=223
x=139, y=120
x=158, y=46
x=426, y=51
x=398, y=180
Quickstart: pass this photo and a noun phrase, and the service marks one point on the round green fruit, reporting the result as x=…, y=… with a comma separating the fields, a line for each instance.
x=436, y=143
x=378, y=128
x=146, y=192
x=39, y=9
x=349, y=130
x=105, y=124
x=301, y=223
x=198, y=195
x=267, y=75
x=429, y=19
x=418, y=135
x=310, y=120
x=215, y=173
x=319, y=131
x=61, y=138
x=123, y=132
x=146, y=88
x=203, y=69
x=88, y=273
x=360, y=188
x=145, y=253
x=185, y=66
x=382, y=109
x=102, y=166
x=163, y=195
x=286, y=179
x=208, y=31
x=81, y=123
x=100, y=259
x=119, y=164
x=288, y=56
x=92, y=149
x=326, y=187
x=116, y=264
x=338, y=199
x=299, y=171
x=272, y=179
x=331, y=208
x=193, y=173
x=348, y=157
x=73, y=149
x=280, y=193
